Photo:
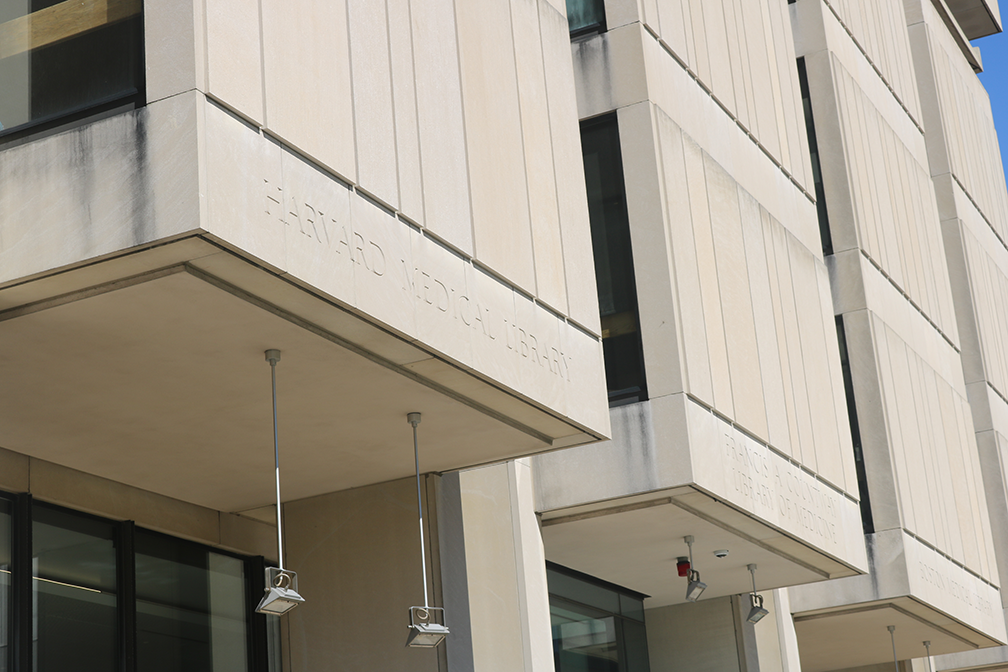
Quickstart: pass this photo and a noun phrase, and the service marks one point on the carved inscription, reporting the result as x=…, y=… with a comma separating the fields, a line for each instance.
x=968, y=595
x=777, y=488
x=426, y=289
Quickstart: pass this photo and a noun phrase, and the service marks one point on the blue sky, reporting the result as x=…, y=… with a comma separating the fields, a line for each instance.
x=994, y=53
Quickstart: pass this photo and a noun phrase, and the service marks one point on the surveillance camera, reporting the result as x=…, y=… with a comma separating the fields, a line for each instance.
x=723, y=553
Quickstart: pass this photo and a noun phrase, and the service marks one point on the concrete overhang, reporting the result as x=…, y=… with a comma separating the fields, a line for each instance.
x=910, y=585
x=158, y=380
x=146, y=262
x=619, y=510
x=977, y=18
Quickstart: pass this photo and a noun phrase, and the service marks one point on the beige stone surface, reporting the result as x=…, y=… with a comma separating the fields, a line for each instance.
x=575, y=235
x=244, y=187
x=539, y=169
x=173, y=48
x=148, y=163
x=404, y=97
x=234, y=56
x=443, y=162
x=357, y=551
x=373, y=110
x=305, y=42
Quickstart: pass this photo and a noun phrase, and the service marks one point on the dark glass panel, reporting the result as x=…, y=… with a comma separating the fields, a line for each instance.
x=595, y=628
x=58, y=58
x=583, y=15
x=74, y=570
x=191, y=608
x=614, y=272
x=5, y=585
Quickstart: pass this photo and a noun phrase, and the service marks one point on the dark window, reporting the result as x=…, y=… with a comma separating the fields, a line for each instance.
x=585, y=16
x=614, y=271
x=867, y=522
x=66, y=58
x=597, y=627
x=5, y=585
x=191, y=610
x=78, y=592
x=74, y=584
x=824, y=230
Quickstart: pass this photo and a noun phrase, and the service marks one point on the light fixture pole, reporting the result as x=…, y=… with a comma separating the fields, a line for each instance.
x=695, y=586
x=756, y=610
x=927, y=647
x=281, y=584
x=424, y=631
x=892, y=636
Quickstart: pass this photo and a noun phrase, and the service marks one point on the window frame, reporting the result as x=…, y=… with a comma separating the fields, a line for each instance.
x=21, y=601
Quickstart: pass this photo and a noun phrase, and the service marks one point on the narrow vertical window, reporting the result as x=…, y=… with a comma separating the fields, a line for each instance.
x=867, y=522
x=820, y=193
x=614, y=270
x=74, y=592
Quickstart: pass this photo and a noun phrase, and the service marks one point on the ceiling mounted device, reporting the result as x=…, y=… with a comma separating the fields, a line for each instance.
x=756, y=610
x=426, y=627
x=281, y=584
x=695, y=586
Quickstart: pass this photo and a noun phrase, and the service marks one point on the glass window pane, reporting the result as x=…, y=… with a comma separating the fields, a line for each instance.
x=582, y=591
x=74, y=592
x=60, y=57
x=583, y=14
x=191, y=610
x=5, y=583
x=614, y=272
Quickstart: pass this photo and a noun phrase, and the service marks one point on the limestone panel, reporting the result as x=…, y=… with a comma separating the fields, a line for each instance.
x=407, y=140
x=692, y=339
x=173, y=48
x=696, y=183
x=244, y=188
x=437, y=278
x=306, y=42
x=547, y=246
x=445, y=174
x=118, y=183
x=651, y=249
x=373, y=110
x=491, y=568
x=234, y=56
x=380, y=250
x=572, y=202
x=766, y=330
x=321, y=245
x=733, y=281
x=499, y=195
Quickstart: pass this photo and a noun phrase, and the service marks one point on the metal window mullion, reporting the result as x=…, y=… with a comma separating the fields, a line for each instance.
x=21, y=585
x=126, y=598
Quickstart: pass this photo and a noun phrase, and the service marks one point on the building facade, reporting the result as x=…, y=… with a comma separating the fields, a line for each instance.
x=702, y=303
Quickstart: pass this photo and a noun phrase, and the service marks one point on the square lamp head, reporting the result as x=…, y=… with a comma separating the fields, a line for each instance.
x=757, y=612
x=281, y=593
x=695, y=587
x=424, y=631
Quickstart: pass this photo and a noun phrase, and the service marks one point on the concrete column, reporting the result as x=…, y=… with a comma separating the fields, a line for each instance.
x=493, y=571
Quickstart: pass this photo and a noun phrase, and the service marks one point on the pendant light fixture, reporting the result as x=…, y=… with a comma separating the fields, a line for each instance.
x=756, y=610
x=695, y=586
x=281, y=584
x=927, y=647
x=424, y=629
